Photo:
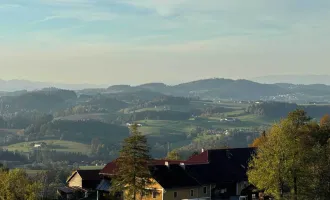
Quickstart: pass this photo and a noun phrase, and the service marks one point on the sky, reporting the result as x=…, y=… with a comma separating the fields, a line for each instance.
x=171, y=41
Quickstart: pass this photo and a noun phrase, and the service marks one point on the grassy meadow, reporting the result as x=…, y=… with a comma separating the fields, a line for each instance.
x=58, y=145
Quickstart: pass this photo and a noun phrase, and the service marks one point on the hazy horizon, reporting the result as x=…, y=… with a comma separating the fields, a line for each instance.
x=174, y=41
x=305, y=79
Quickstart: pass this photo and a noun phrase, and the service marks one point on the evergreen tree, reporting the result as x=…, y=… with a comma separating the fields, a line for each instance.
x=133, y=176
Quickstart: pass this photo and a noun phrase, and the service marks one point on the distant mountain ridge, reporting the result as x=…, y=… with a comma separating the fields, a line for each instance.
x=16, y=85
x=208, y=88
x=294, y=79
x=216, y=88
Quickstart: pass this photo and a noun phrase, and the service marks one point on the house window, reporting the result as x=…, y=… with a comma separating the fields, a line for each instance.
x=222, y=191
x=254, y=196
x=205, y=190
x=191, y=193
x=175, y=194
x=154, y=195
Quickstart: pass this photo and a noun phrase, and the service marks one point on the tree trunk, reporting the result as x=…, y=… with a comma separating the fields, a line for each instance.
x=295, y=187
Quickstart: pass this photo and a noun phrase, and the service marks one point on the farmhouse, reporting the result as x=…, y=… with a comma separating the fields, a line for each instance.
x=39, y=145
x=172, y=182
x=212, y=174
x=103, y=189
x=81, y=184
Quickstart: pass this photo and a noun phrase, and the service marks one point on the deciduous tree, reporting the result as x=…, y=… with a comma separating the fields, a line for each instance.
x=293, y=163
x=16, y=185
x=259, y=140
x=279, y=163
x=173, y=155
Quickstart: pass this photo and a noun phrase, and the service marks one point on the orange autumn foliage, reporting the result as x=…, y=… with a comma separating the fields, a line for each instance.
x=260, y=140
x=325, y=121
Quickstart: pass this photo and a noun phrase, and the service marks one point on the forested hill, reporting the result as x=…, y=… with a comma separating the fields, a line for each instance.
x=209, y=89
x=280, y=109
x=217, y=88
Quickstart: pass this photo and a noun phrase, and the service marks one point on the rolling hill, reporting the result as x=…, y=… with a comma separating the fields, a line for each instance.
x=211, y=89
x=294, y=79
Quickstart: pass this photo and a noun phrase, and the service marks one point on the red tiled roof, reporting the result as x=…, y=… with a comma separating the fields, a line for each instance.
x=201, y=158
x=110, y=168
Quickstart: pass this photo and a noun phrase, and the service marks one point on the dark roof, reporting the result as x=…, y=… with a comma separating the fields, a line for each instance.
x=70, y=190
x=224, y=165
x=110, y=168
x=92, y=175
x=172, y=176
x=211, y=173
x=201, y=172
x=239, y=156
x=87, y=175
x=66, y=190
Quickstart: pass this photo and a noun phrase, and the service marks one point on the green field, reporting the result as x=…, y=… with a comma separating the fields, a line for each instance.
x=155, y=127
x=92, y=116
x=159, y=127
x=58, y=145
x=161, y=132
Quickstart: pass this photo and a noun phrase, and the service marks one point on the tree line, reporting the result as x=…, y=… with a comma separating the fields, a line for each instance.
x=17, y=184
x=280, y=109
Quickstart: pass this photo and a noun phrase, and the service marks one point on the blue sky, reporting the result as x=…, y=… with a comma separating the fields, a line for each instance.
x=137, y=41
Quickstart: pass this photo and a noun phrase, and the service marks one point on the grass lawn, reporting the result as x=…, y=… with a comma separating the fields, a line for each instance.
x=167, y=129
x=157, y=127
x=93, y=116
x=58, y=145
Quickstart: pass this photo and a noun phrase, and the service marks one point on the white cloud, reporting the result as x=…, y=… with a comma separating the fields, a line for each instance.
x=76, y=3
x=162, y=7
x=83, y=15
x=9, y=6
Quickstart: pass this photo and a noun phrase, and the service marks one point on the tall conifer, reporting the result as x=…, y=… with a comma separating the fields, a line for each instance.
x=132, y=176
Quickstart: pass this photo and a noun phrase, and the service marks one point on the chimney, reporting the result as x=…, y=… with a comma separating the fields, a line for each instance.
x=182, y=165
